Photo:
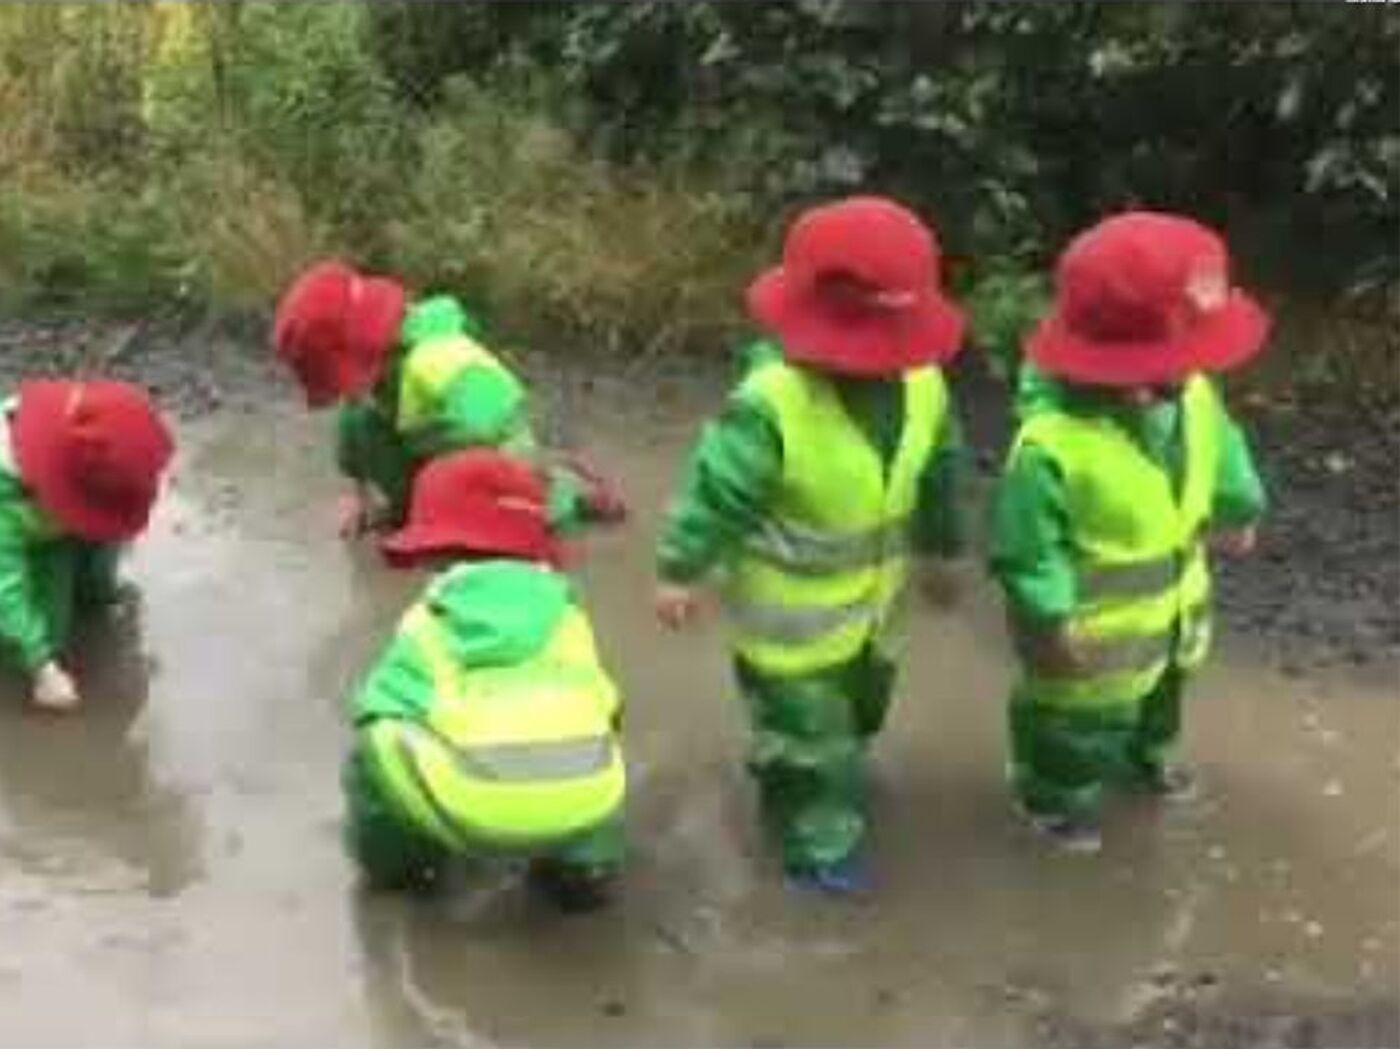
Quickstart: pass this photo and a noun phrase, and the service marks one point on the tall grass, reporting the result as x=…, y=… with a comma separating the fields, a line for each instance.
x=171, y=152
x=208, y=153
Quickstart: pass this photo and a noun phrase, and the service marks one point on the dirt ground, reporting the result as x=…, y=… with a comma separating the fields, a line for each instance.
x=170, y=865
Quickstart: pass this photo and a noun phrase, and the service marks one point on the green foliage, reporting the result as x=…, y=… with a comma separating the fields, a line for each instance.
x=613, y=172
x=559, y=246
x=1011, y=125
x=1002, y=307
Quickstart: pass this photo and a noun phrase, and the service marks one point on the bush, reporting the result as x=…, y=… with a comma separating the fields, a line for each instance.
x=560, y=246
x=613, y=173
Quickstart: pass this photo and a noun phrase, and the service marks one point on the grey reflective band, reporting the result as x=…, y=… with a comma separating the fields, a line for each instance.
x=1122, y=655
x=538, y=761
x=405, y=749
x=806, y=551
x=1135, y=579
x=795, y=625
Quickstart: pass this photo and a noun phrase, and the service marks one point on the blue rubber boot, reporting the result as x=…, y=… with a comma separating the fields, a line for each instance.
x=848, y=877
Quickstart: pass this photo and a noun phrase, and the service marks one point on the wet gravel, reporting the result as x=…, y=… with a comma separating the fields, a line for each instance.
x=1323, y=589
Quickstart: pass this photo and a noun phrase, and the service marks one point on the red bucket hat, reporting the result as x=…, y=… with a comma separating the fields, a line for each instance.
x=92, y=454
x=1143, y=298
x=334, y=327
x=858, y=291
x=475, y=501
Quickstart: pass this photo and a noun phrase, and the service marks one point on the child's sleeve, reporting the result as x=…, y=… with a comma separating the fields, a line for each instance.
x=23, y=627
x=1030, y=551
x=1239, y=493
x=353, y=423
x=938, y=526
x=725, y=490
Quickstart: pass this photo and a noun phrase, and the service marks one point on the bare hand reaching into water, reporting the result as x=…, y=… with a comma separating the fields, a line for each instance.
x=359, y=511
x=54, y=689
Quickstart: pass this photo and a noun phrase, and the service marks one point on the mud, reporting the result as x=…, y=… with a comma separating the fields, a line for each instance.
x=1324, y=590
x=171, y=874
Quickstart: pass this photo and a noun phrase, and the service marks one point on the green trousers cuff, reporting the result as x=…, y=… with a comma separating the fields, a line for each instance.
x=808, y=738
x=1062, y=760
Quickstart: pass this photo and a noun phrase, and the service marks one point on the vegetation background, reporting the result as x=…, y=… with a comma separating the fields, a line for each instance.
x=608, y=174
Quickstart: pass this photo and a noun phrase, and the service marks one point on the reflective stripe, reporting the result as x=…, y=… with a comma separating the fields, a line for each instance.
x=1134, y=579
x=550, y=760
x=404, y=746
x=795, y=625
x=1121, y=655
x=807, y=551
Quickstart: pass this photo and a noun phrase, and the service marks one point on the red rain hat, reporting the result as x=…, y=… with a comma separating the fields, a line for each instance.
x=92, y=454
x=475, y=501
x=334, y=327
x=858, y=291
x=1143, y=298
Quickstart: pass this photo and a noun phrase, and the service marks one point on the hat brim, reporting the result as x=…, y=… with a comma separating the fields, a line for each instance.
x=1228, y=338
x=36, y=435
x=413, y=544
x=929, y=331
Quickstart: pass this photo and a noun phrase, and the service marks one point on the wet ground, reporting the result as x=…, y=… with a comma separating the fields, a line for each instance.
x=170, y=869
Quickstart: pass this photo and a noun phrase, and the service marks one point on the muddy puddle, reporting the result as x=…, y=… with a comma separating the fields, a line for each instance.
x=171, y=874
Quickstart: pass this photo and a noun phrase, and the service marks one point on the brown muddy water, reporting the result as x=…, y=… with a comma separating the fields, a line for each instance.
x=171, y=872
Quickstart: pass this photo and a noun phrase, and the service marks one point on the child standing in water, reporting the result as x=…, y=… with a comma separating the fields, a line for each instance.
x=413, y=382
x=838, y=449
x=1126, y=463
x=80, y=468
x=488, y=726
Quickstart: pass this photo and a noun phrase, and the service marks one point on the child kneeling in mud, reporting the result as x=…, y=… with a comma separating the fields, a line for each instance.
x=1126, y=463
x=413, y=382
x=80, y=469
x=488, y=726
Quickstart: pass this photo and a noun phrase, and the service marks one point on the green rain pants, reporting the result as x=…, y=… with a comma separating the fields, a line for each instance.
x=809, y=736
x=1062, y=760
x=393, y=854
x=68, y=577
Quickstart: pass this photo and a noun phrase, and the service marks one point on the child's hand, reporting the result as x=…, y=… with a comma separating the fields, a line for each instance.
x=1235, y=542
x=54, y=689
x=1048, y=648
x=676, y=606
x=358, y=511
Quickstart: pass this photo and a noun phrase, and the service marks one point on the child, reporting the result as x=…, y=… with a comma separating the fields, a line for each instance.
x=837, y=449
x=412, y=382
x=1126, y=459
x=488, y=725
x=80, y=467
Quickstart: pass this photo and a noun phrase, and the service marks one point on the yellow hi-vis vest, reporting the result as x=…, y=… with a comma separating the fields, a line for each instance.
x=1143, y=583
x=429, y=371
x=821, y=576
x=509, y=757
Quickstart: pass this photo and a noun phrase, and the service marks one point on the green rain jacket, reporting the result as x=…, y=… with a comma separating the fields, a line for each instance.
x=735, y=468
x=37, y=566
x=1030, y=551
x=485, y=406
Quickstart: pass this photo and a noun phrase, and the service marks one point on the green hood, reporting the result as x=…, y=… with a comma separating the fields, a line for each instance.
x=498, y=613
x=495, y=613
x=435, y=317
